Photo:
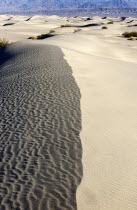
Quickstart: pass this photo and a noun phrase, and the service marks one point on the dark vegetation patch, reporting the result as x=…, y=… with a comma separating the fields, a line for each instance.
x=43, y=36
x=3, y=42
x=110, y=22
x=104, y=27
x=132, y=38
x=130, y=35
x=67, y=25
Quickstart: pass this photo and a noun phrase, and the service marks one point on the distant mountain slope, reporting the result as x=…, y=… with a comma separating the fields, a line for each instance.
x=110, y=4
x=42, y=3
x=54, y=4
x=117, y=3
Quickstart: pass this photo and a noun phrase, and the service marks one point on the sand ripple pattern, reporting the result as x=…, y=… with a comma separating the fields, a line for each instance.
x=40, y=122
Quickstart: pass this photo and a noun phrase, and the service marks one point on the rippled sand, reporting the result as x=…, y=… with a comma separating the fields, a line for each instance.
x=40, y=125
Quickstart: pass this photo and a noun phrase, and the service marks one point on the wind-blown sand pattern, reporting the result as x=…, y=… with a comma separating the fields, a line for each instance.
x=40, y=148
x=104, y=66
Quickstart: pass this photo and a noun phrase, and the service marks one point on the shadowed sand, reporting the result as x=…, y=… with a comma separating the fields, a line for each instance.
x=40, y=148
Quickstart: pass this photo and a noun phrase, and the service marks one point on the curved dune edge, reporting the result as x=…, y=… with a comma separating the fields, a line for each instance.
x=40, y=125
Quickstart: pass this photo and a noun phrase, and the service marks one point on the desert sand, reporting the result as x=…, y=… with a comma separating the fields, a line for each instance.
x=76, y=87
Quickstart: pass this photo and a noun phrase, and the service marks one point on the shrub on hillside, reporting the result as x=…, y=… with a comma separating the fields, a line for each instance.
x=63, y=26
x=130, y=34
x=42, y=36
x=32, y=37
x=104, y=27
x=132, y=38
x=3, y=42
x=110, y=22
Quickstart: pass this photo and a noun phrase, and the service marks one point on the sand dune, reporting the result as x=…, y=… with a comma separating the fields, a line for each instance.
x=45, y=110
x=40, y=125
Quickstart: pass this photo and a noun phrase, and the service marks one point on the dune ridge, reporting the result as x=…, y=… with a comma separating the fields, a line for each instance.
x=40, y=125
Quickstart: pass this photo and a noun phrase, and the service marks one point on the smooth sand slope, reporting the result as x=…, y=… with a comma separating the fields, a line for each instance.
x=104, y=65
x=40, y=125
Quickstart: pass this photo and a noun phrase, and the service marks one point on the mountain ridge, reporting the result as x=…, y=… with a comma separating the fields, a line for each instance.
x=59, y=4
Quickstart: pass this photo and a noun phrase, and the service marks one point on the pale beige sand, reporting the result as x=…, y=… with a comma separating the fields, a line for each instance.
x=105, y=68
x=109, y=119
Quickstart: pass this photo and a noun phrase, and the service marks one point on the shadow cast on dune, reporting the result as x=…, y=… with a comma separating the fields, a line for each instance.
x=123, y=18
x=90, y=25
x=9, y=19
x=4, y=57
x=28, y=19
x=9, y=24
x=40, y=125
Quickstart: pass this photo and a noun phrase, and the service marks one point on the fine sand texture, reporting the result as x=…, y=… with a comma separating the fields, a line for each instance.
x=42, y=120
x=40, y=147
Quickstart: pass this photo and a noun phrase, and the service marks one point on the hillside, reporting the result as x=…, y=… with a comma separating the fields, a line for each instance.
x=59, y=4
